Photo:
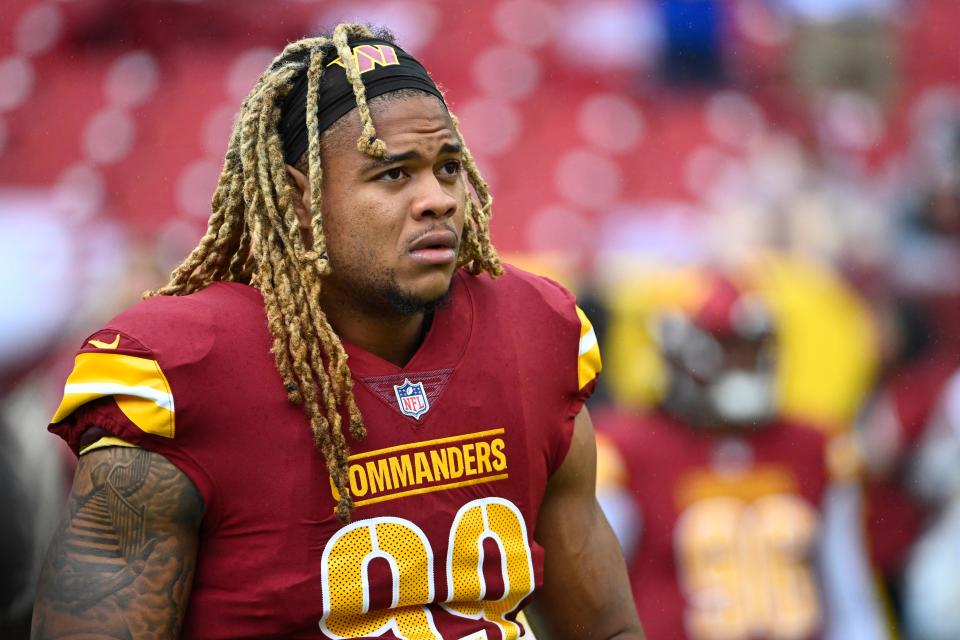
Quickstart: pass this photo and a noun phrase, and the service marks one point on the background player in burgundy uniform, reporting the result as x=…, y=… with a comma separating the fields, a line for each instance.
x=932, y=593
x=717, y=501
x=338, y=228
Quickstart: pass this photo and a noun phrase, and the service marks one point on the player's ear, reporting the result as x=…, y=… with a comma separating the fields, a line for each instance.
x=301, y=203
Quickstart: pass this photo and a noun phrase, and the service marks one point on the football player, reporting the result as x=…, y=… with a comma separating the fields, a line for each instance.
x=342, y=417
x=932, y=592
x=719, y=504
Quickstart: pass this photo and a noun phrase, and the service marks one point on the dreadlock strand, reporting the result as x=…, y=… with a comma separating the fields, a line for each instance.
x=333, y=386
x=327, y=435
x=368, y=142
x=238, y=270
x=358, y=430
x=336, y=357
x=182, y=275
x=285, y=197
x=473, y=173
x=226, y=240
x=295, y=50
x=265, y=281
x=329, y=372
x=265, y=175
x=238, y=235
x=249, y=156
x=470, y=243
x=315, y=169
x=486, y=255
x=340, y=385
x=326, y=429
x=308, y=312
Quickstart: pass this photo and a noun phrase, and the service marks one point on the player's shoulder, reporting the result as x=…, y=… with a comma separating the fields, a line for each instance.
x=153, y=356
x=525, y=301
x=203, y=306
x=528, y=300
x=178, y=329
x=519, y=286
x=542, y=316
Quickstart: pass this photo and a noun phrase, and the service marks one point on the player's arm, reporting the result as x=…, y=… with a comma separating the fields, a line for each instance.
x=585, y=591
x=122, y=562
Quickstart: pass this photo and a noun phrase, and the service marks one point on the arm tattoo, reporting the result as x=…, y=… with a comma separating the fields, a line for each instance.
x=122, y=562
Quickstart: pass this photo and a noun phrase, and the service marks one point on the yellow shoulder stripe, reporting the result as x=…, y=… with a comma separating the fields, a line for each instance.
x=106, y=441
x=138, y=385
x=588, y=357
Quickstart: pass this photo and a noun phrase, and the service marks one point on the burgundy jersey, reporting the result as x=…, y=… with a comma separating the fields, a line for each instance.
x=729, y=527
x=895, y=517
x=447, y=484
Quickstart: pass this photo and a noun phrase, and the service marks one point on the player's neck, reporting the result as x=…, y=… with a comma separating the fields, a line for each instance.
x=394, y=338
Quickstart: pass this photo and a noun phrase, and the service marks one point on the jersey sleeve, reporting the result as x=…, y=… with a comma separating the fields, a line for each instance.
x=562, y=352
x=129, y=381
x=588, y=358
x=114, y=365
x=588, y=366
x=575, y=356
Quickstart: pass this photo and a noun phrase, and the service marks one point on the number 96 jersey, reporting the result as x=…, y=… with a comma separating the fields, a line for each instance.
x=447, y=485
x=730, y=526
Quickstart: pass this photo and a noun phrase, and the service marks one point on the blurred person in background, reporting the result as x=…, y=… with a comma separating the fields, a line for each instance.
x=892, y=423
x=216, y=488
x=931, y=588
x=918, y=308
x=732, y=518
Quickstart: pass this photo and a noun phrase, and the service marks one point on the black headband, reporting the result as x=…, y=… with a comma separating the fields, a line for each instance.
x=384, y=67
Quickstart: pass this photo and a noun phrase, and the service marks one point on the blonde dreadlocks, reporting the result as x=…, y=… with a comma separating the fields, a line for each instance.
x=253, y=237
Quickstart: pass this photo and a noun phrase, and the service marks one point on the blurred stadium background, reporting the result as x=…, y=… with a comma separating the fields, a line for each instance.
x=813, y=145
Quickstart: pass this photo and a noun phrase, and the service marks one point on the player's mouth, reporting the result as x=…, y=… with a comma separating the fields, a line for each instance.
x=434, y=248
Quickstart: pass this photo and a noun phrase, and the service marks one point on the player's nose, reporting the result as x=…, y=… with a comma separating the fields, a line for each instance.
x=434, y=198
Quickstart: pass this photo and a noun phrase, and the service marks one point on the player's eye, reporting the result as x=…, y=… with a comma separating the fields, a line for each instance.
x=391, y=175
x=451, y=168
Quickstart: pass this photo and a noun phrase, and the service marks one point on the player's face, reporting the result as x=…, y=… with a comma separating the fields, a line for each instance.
x=393, y=226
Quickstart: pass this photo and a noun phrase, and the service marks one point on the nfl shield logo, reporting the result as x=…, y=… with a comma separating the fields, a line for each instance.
x=412, y=398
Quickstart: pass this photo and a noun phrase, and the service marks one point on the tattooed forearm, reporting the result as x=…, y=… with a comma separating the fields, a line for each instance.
x=122, y=562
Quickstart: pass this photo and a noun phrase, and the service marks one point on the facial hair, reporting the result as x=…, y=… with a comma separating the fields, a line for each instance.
x=382, y=294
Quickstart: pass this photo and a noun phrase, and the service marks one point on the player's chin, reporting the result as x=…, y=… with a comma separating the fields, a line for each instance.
x=431, y=287
x=413, y=301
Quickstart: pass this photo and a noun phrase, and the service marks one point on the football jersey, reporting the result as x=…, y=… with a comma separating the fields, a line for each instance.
x=729, y=527
x=900, y=414
x=446, y=486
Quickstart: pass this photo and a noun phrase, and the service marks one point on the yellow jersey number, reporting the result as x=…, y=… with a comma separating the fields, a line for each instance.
x=405, y=548
x=745, y=568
